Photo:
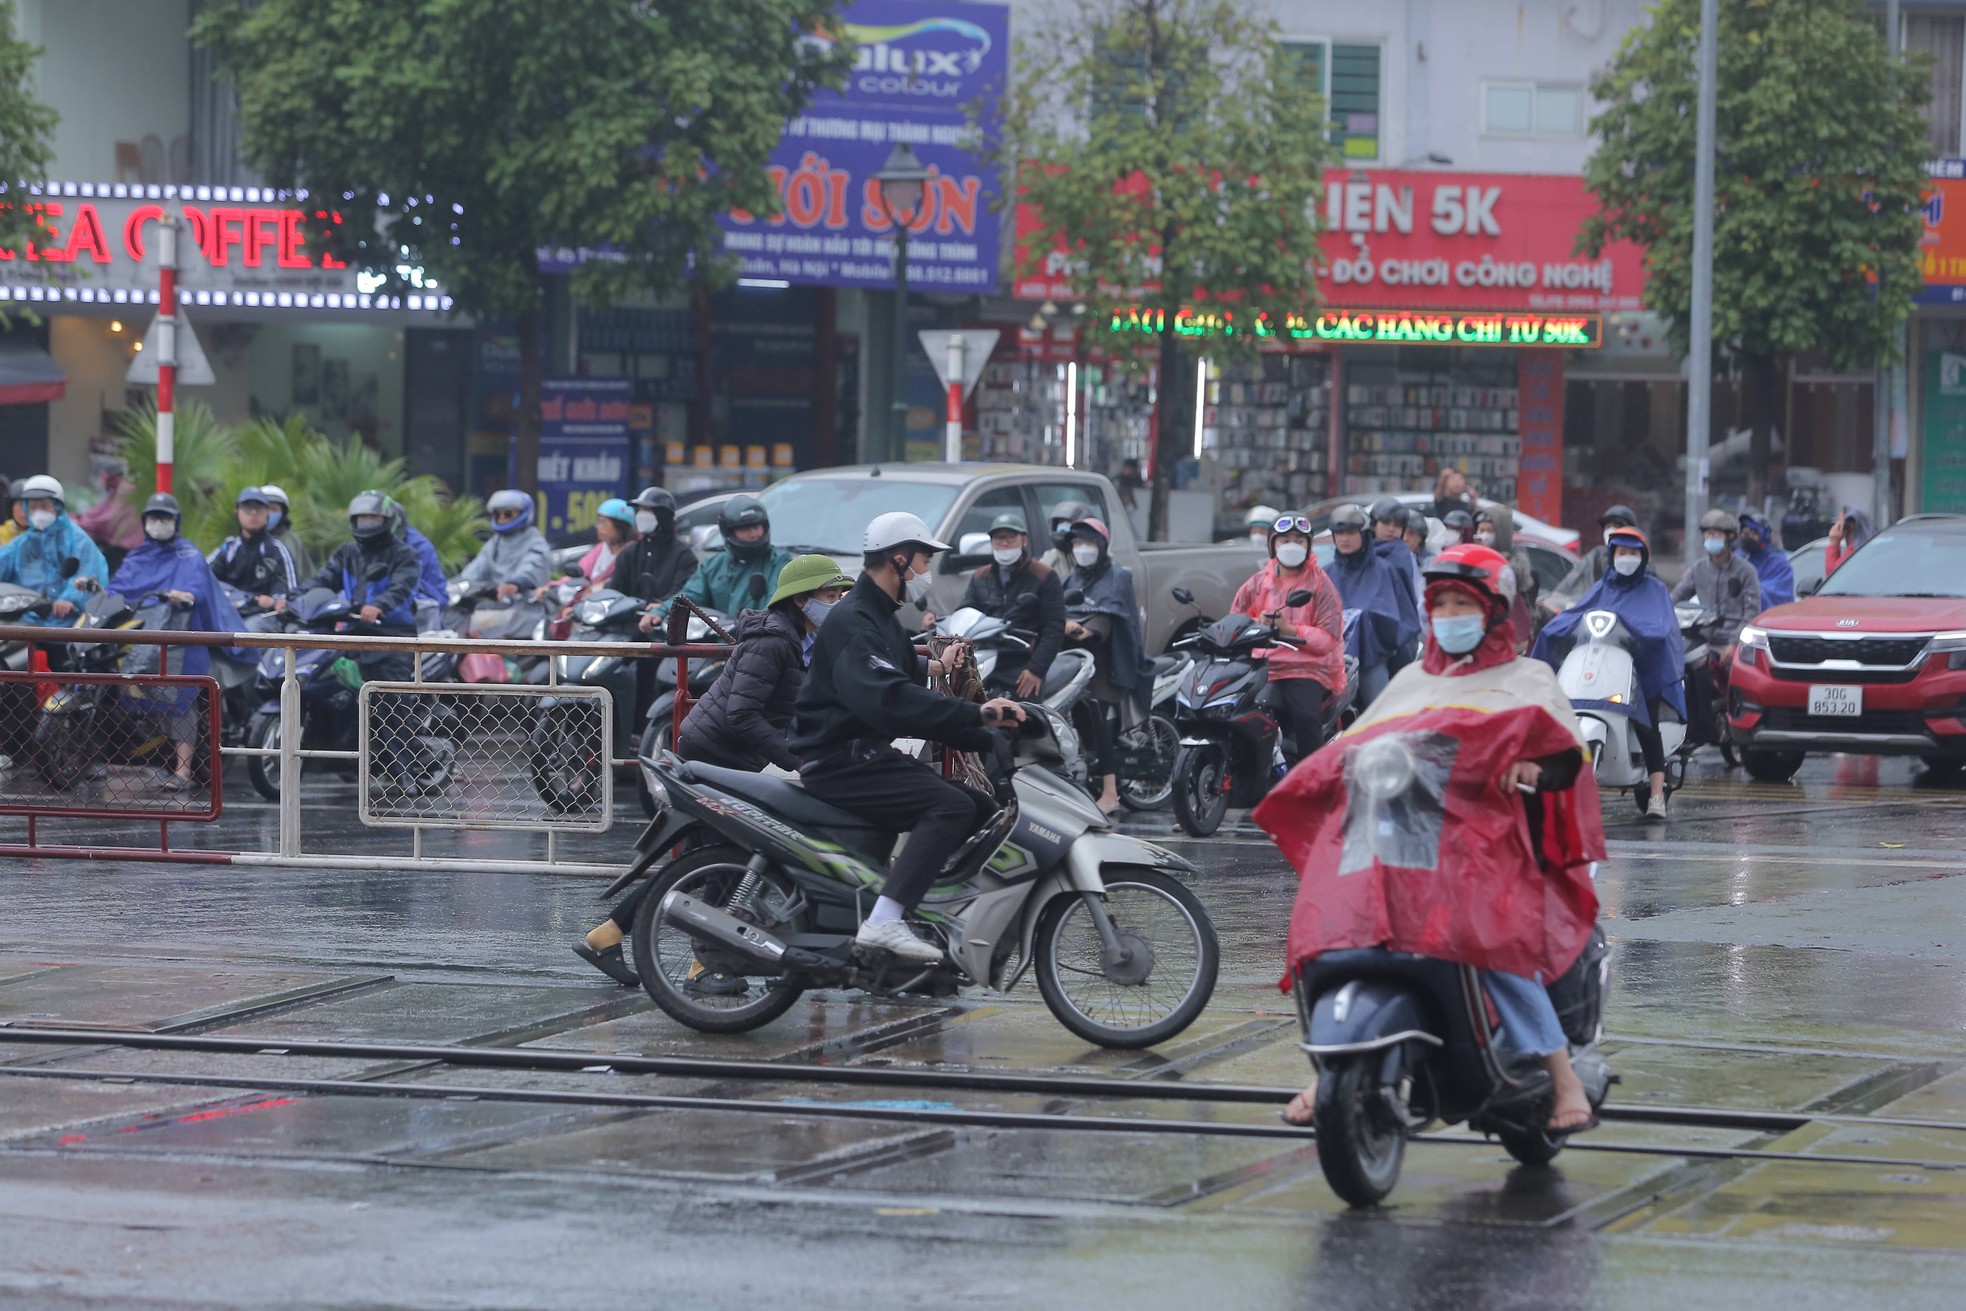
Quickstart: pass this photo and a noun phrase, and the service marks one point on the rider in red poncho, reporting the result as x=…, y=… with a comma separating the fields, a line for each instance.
x=1504, y=885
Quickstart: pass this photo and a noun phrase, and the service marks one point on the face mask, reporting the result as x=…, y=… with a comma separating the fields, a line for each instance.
x=1459, y=634
x=645, y=521
x=816, y=609
x=274, y=518
x=919, y=586
x=1260, y=539
x=1715, y=545
x=1628, y=564
x=1291, y=555
x=1007, y=555
x=159, y=530
x=40, y=519
x=1086, y=555
x=1486, y=539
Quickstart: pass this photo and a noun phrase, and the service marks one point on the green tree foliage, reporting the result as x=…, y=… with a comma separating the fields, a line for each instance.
x=212, y=462
x=1819, y=180
x=25, y=128
x=1177, y=154
x=483, y=131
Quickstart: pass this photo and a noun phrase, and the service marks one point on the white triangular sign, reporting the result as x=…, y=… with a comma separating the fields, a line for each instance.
x=193, y=369
x=977, y=343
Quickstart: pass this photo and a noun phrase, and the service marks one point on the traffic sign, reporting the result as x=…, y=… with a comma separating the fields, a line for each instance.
x=972, y=349
x=193, y=369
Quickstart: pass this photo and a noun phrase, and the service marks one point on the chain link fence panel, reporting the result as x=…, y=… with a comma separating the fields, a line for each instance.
x=113, y=745
x=459, y=755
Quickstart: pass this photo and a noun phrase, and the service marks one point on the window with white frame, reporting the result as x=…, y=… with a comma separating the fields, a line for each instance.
x=1546, y=111
x=1346, y=74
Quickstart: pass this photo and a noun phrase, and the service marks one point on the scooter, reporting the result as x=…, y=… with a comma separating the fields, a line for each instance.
x=771, y=884
x=1707, y=667
x=564, y=758
x=1401, y=1040
x=659, y=725
x=1232, y=739
x=1600, y=676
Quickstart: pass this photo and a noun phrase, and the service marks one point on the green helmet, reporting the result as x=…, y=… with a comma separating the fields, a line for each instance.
x=1010, y=520
x=808, y=573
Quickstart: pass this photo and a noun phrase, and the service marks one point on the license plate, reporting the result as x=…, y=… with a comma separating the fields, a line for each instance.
x=1836, y=702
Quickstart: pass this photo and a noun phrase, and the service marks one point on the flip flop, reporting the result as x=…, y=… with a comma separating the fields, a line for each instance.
x=1308, y=1103
x=610, y=962
x=1585, y=1127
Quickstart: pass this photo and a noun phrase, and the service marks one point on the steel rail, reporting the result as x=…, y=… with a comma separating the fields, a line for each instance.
x=949, y=1117
x=549, y=1060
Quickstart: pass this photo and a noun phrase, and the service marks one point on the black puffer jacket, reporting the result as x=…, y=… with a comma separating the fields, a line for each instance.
x=746, y=713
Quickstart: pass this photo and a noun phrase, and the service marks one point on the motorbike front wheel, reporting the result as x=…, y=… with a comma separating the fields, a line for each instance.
x=263, y=772
x=1155, y=993
x=566, y=775
x=701, y=985
x=1150, y=791
x=1360, y=1145
x=61, y=748
x=1201, y=788
x=656, y=738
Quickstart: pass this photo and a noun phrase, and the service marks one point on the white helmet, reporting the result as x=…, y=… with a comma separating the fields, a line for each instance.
x=40, y=485
x=898, y=526
x=275, y=496
x=1265, y=515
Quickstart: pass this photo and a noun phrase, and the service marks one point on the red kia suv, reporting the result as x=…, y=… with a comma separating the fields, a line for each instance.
x=1874, y=662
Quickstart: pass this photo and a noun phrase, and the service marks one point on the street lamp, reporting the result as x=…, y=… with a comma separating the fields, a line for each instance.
x=903, y=188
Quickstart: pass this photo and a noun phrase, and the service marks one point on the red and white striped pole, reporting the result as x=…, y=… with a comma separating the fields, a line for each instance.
x=952, y=441
x=166, y=349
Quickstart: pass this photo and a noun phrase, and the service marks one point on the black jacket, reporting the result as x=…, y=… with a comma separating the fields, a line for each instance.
x=989, y=592
x=654, y=567
x=260, y=564
x=865, y=683
x=394, y=593
x=745, y=714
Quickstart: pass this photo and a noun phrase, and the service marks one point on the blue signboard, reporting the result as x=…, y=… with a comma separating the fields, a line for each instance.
x=583, y=450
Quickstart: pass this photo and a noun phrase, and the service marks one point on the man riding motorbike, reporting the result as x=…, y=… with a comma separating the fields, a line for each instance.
x=1389, y=621
x=657, y=565
x=1726, y=587
x=1307, y=675
x=1106, y=621
x=865, y=688
x=1771, y=563
x=1482, y=699
x=1633, y=593
x=280, y=523
x=1059, y=558
x=34, y=559
x=998, y=588
x=723, y=582
x=515, y=558
x=254, y=560
x=1591, y=567
x=432, y=592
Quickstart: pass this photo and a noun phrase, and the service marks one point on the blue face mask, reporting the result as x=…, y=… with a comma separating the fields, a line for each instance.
x=273, y=518
x=816, y=610
x=1459, y=634
x=1714, y=545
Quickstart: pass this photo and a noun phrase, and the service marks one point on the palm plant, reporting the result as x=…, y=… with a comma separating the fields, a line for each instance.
x=203, y=453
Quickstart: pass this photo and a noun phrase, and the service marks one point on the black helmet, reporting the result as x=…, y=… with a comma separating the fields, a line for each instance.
x=1387, y=510
x=1620, y=515
x=1347, y=516
x=367, y=504
x=163, y=503
x=1461, y=522
x=742, y=511
x=657, y=499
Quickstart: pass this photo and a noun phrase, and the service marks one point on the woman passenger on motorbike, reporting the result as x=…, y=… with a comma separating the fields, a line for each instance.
x=1310, y=673
x=1470, y=664
x=741, y=722
x=614, y=530
x=1106, y=621
x=1632, y=592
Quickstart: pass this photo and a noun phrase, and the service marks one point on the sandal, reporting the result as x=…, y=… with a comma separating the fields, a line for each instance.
x=1305, y=1106
x=1589, y=1122
x=610, y=962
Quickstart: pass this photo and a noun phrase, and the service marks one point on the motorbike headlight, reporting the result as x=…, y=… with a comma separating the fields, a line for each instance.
x=1383, y=768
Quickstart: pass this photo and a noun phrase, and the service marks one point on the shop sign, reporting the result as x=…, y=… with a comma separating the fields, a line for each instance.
x=240, y=246
x=1943, y=246
x=583, y=449
x=1440, y=241
x=1945, y=433
x=1539, y=471
x=1382, y=327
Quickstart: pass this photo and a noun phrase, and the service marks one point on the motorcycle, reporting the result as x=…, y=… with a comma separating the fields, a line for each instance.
x=1232, y=740
x=1063, y=691
x=564, y=759
x=771, y=883
x=1600, y=676
x=1707, y=667
x=238, y=674
x=659, y=725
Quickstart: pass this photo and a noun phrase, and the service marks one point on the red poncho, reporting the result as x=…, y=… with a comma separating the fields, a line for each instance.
x=1448, y=868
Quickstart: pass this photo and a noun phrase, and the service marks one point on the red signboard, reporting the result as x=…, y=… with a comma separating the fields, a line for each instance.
x=1539, y=475
x=1400, y=238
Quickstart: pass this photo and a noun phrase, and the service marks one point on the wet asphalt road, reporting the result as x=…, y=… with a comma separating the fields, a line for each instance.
x=1796, y=948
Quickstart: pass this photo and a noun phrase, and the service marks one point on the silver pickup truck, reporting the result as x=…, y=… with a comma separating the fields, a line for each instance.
x=828, y=510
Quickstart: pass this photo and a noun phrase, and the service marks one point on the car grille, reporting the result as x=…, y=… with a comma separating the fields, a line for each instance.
x=1812, y=674
x=1871, y=721
x=1864, y=650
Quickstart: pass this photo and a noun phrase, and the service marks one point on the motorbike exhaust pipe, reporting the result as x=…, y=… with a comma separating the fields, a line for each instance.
x=721, y=927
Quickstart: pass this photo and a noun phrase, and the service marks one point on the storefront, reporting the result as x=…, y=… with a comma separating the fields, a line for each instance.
x=286, y=332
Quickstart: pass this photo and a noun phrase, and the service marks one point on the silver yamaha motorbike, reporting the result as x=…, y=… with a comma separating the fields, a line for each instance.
x=771, y=883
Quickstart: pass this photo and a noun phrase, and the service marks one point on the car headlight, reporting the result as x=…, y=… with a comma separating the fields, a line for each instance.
x=1752, y=640
x=1383, y=769
x=1952, y=646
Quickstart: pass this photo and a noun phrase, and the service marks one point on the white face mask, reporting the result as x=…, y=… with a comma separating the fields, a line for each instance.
x=1007, y=555
x=1486, y=539
x=40, y=519
x=159, y=530
x=1085, y=554
x=644, y=521
x=919, y=586
x=1291, y=555
x=1628, y=564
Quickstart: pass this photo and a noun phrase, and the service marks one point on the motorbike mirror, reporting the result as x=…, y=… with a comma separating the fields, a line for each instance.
x=1302, y=596
x=1184, y=596
x=71, y=566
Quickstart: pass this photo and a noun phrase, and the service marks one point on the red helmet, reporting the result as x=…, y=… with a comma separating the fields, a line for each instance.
x=1473, y=565
x=1096, y=526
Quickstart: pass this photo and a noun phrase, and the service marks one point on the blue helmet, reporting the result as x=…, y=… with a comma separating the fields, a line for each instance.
x=509, y=499
x=619, y=510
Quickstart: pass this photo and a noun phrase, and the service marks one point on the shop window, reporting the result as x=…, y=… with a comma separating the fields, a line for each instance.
x=1348, y=77
x=1545, y=111
x=1942, y=40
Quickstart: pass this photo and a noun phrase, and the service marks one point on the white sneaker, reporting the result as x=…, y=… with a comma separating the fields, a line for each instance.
x=897, y=938
x=1656, y=808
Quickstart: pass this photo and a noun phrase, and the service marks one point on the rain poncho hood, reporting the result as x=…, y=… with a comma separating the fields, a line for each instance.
x=1777, y=576
x=1389, y=617
x=178, y=566
x=1108, y=590
x=430, y=580
x=34, y=558
x=1645, y=605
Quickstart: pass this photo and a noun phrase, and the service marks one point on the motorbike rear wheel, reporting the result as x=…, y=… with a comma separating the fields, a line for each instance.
x=1360, y=1146
x=1201, y=792
x=566, y=779
x=1530, y=1146
x=1158, y=734
x=668, y=960
x=61, y=748
x=1156, y=994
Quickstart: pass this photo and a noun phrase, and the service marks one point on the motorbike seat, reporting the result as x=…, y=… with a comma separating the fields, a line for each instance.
x=1064, y=668
x=782, y=797
x=1164, y=663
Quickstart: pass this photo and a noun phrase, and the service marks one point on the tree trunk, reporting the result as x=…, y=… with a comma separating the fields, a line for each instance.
x=1761, y=387
x=525, y=424
x=1173, y=428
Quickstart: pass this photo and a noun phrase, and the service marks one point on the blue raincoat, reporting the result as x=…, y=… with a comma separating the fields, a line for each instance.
x=430, y=585
x=1776, y=574
x=34, y=558
x=1645, y=605
x=179, y=566
x=1389, y=618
